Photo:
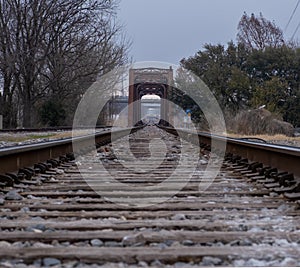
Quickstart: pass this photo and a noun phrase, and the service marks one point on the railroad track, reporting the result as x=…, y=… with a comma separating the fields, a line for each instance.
x=61, y=217
x=45, y=129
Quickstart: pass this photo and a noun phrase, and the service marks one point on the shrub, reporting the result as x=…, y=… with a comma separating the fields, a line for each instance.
x=260, y=121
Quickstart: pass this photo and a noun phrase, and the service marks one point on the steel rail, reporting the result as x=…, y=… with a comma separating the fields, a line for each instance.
x=44, y=129
x=14, y=158
x=284, y=158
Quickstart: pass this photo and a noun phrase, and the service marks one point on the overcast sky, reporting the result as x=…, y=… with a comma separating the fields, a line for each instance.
x=169, y=30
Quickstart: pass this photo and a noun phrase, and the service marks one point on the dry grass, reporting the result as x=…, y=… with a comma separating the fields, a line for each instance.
x=259, y=122
x=62, y=135
x=22, y=137
x=278, y=138
x=18, y=138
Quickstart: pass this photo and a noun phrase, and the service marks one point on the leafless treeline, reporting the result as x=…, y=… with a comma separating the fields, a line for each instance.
x=51, y=51
x=256, y=32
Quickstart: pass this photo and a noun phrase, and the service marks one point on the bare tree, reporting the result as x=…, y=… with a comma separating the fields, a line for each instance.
x=7, y=59
x=81, y=57
x=49, y=46
x=259, y=33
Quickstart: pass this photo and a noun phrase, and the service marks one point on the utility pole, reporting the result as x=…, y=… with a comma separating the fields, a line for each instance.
x=1, y=121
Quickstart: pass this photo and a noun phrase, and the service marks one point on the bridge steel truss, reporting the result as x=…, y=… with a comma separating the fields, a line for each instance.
x=145, y=81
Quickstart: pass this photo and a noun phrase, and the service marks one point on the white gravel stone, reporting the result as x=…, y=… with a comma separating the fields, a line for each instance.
x=255, y=262
x=32, y=197
x=178, y=217
x=13, y=195
x=289, y=262
x=25, y=209
x=157, y=263
x=41, y=245
x=96, y=243
x=272, y=194
x=51, y=262
x=17, y=244
x=281, y=242
x=131, y=240
x=238, y=263
x=4, y=244
x=142, y=264
x=255, y=229
x=283, y=207
x=188, y=243
x=203, y=162
x=210, y=261
x=60, y=171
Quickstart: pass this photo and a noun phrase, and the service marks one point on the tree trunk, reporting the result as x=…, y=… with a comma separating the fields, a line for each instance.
x=27, y=109
x=7, y=102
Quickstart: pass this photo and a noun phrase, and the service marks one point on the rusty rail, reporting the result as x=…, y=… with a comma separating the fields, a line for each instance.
x=14, y=158
x=284, y=158
x=44, y=129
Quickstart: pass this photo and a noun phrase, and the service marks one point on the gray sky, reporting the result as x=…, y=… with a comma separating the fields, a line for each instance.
x=169, y=30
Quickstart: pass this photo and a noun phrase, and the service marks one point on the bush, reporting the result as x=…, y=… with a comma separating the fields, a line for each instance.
x=260, y=121
x=52, y=114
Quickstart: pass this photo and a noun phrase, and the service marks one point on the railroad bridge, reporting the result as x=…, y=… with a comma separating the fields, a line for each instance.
x=149, y=81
